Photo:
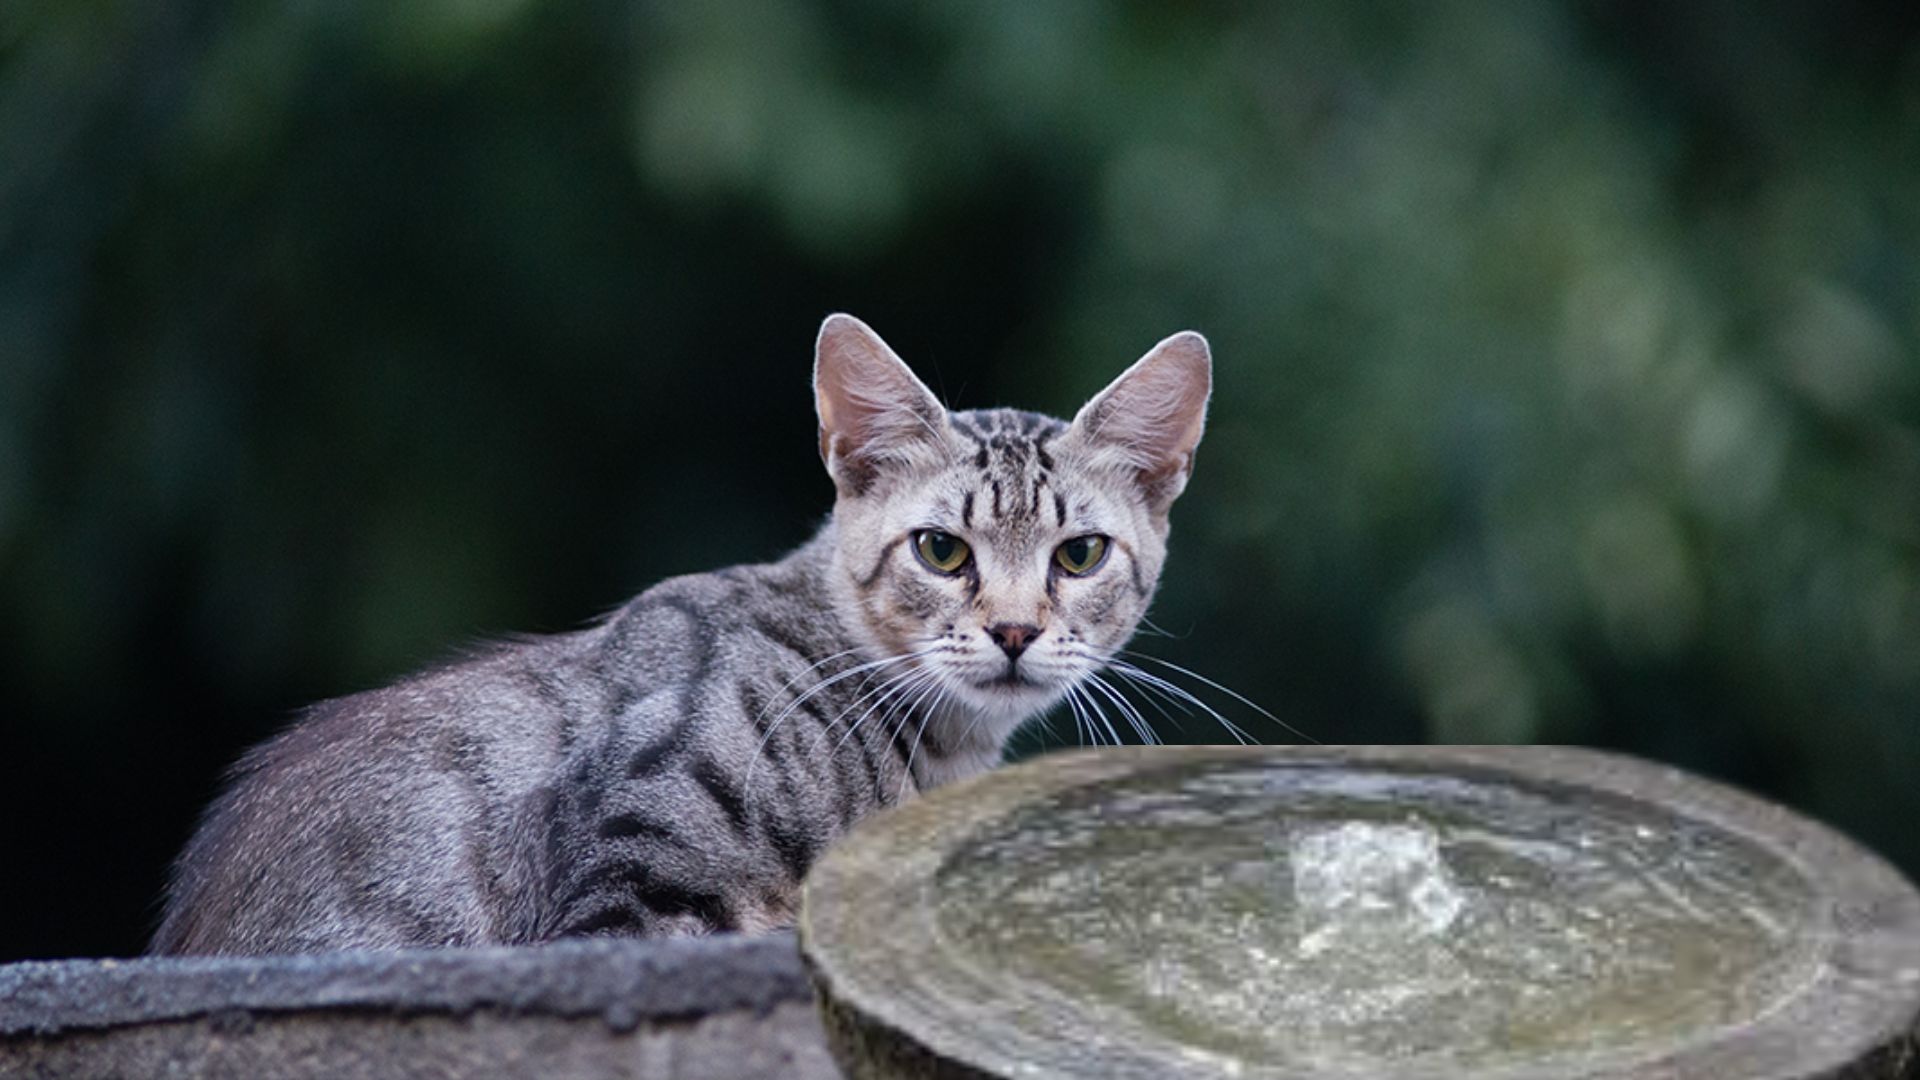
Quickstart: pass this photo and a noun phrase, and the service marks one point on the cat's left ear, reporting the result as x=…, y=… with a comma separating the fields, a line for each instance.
x=874, y=415
x=1149, y=420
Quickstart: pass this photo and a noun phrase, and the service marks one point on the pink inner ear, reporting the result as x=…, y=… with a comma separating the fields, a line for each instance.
x=1155, y=412
x=871, y=407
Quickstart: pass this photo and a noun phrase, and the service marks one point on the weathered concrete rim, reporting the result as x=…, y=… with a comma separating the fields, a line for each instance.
x=1860, y=1018
x=625, y=982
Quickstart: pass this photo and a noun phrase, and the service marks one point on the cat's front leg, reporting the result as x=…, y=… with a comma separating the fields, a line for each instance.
x=658, y=841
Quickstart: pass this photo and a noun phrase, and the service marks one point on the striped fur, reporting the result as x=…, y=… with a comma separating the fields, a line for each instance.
x=676, y=768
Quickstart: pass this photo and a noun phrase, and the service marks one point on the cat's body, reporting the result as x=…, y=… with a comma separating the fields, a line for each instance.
x=676, y=768
x=503, y=799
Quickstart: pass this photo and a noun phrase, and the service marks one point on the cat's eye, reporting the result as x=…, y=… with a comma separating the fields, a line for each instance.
x=1082, y=554
x=944, y=552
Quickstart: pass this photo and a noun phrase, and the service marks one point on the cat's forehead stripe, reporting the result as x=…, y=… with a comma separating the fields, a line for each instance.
x=1015, y=466
x=1017, y=498
x=998, y=428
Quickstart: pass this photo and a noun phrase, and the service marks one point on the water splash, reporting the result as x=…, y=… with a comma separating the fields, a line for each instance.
x=1270, y=915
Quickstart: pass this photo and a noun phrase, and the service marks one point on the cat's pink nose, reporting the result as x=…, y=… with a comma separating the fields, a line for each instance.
x=1013, y=638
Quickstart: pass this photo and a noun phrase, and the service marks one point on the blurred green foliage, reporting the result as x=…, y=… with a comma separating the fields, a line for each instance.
x=1566, y=355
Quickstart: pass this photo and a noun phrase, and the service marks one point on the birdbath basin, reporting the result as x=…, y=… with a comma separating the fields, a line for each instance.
x=1387, y=913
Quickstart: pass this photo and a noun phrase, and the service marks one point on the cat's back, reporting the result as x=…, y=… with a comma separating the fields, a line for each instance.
x=415, y=814
x=380, y=819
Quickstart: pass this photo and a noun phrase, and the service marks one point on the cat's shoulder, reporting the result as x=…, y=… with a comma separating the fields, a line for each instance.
x=726, y=614
x=734, y=597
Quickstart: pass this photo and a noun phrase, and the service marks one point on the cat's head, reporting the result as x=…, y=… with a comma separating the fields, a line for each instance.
x=1010, y=553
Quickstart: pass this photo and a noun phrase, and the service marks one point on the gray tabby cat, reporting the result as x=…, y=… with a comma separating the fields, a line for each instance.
x=676, y=768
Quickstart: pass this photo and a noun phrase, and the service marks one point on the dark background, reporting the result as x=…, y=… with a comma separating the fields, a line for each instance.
x=1567, y=383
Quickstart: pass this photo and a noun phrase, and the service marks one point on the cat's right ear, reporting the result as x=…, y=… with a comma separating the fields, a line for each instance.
x=874, y=415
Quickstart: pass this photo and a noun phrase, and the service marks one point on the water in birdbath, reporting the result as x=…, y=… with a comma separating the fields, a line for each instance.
x=1385, y=917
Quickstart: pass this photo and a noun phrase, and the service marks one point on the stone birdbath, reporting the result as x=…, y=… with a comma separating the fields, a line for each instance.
x=1386, y=913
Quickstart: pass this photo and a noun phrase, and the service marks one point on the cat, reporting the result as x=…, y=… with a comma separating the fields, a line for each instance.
x=675, y=768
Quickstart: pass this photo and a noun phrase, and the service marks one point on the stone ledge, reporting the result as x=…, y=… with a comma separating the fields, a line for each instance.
x=731, y=1007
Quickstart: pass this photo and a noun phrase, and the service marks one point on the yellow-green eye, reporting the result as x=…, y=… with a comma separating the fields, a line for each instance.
x=944, y=552
x=1082, y=554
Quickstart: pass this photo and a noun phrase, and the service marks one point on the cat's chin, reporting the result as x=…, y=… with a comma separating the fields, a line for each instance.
x=1011, y=700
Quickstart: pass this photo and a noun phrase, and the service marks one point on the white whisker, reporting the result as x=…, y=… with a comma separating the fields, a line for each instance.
x=927, y=710
x=1155, y=697
x=1179, y=694
x=1154, y=629
x=1127, y=709
x=838, y=677
x=1082, y=727
x=899, y=688
x=1234, y=694
x=1094, y=709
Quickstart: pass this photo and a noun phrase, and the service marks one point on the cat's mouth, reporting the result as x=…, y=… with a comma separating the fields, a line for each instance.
x=1010, y=679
